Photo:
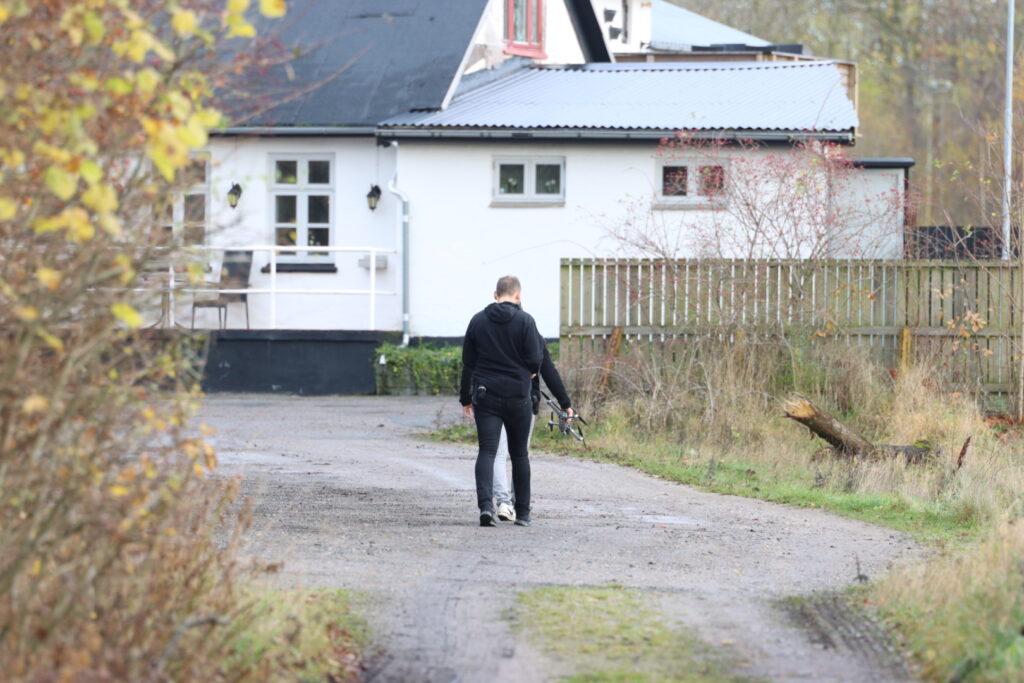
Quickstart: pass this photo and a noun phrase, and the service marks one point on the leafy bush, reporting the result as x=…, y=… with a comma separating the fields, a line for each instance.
x=424, y=370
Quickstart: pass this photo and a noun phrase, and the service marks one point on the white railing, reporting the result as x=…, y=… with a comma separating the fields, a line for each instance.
x=175, y=286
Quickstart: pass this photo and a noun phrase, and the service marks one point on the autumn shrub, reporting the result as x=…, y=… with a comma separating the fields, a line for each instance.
x=119, y=550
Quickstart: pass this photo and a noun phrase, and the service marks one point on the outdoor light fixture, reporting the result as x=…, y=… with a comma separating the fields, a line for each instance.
x=609, y=14
x=234, y=194
x=614, y=32
x=372, y=197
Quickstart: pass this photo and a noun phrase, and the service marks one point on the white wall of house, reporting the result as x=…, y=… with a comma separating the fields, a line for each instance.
x=358, y=162
x=461, y=242
x=560, y=43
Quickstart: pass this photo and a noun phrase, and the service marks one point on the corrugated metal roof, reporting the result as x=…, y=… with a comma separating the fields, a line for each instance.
x=799, y=97
x=672, y=25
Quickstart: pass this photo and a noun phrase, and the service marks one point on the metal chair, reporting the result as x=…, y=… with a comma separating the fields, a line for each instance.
x=234, y=274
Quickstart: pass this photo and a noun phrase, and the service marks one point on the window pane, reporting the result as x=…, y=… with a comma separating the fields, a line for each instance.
x=319, y=237
x=549, y=179
x=319, y=209
x=194, y=234
x=320, y=172
x=285, y=237
x=712, y=180
x=519, y=16
x=673, y=181
x=511, y=178
x=286, y=172
x=195, y=208
x=195, y=172
x=286, y=209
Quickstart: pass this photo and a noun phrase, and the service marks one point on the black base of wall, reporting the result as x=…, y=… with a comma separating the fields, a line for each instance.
x=304, y=362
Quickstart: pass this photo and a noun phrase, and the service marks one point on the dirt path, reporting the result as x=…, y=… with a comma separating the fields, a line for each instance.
x=348, y=496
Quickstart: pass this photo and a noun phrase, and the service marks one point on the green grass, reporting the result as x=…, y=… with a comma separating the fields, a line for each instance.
x=790, y=486
x=613, y=634
x=308, y=635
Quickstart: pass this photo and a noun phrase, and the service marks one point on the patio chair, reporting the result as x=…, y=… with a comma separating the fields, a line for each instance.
x=234, y=274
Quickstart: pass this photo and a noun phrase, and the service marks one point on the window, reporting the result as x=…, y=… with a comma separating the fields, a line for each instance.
x=534, y=181
x=524, y=28
x=301, y=193
x=187, y=216
x=690, y=184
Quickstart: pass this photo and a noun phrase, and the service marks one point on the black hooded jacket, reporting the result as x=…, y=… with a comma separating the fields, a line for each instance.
x=501, y=351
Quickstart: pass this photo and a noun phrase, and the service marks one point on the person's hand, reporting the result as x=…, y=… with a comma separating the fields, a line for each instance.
x=570, y=412
x=468, y=411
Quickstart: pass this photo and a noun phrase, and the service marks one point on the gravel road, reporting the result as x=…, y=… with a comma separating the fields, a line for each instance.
x=349, y=494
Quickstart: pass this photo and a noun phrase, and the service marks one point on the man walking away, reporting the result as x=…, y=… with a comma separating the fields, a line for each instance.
x=502, y=496
x=501, y=354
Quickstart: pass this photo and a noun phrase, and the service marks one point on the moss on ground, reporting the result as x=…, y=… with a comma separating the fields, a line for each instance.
x=611, y=633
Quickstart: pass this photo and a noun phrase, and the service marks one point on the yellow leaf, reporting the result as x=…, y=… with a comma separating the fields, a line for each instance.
x=111, y=224
x=61, y=182
x=80, y=228
x=8, y=207
x=37, y=566
x=91, y=171
x=127, y=314
x=14, y=158
x=100, y=198
x=184, y=21
x=26, y=314
x=51, y=341
x=49, y=224
x=236, y=6
x=119, y=490
x=48, y=277
x=35, y=404
x=238, y=26
x=273, y=8
x=198, y=469
x=193, y=133
x=147, y=80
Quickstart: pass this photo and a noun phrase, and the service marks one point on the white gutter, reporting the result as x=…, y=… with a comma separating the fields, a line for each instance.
x=297, y=131
x=393, y=189
x=599, y=134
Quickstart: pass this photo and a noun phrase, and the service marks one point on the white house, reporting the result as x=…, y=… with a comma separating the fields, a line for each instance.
x=489, y=137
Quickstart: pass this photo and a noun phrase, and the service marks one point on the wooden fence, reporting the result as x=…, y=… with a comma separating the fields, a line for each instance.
x=965, y=313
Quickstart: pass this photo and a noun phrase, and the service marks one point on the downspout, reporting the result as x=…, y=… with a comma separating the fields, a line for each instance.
x=393, y=189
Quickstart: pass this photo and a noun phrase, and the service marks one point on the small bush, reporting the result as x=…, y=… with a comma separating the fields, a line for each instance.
x=418, y=370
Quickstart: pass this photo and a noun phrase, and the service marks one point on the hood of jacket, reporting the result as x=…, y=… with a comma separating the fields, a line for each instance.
x=501, y=313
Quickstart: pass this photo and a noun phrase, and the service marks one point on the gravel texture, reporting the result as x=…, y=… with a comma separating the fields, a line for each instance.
x=348, y=493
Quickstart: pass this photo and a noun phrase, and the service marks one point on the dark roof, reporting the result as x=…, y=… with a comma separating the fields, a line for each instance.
x=362, y=61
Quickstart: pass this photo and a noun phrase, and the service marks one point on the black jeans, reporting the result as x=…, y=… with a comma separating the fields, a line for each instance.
x=517, y=415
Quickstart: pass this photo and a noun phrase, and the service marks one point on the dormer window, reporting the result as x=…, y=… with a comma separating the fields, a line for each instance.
x=524, y=28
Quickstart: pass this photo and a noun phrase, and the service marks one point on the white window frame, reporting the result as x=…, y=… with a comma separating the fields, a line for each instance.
x=692, y=199
x=177, y=222
x=302, y=189
x=531, y=197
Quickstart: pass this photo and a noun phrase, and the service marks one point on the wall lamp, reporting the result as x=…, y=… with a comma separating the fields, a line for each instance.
x=373, y=197
x=234, y=194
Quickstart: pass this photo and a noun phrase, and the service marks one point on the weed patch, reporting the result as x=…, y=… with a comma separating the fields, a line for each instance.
x=301, y=634
x=612, y=634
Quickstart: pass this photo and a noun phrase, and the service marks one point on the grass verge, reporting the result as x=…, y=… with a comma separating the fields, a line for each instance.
x=610, y=633
x=311, y=635
x=778, y=483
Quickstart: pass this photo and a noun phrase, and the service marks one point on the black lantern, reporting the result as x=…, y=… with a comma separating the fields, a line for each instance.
x=234, y=194
x=373, y=197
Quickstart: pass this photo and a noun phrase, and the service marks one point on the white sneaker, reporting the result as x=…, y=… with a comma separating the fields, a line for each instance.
x=506, y=513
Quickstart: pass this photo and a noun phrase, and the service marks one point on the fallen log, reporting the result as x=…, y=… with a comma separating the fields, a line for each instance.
x=844, y=441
